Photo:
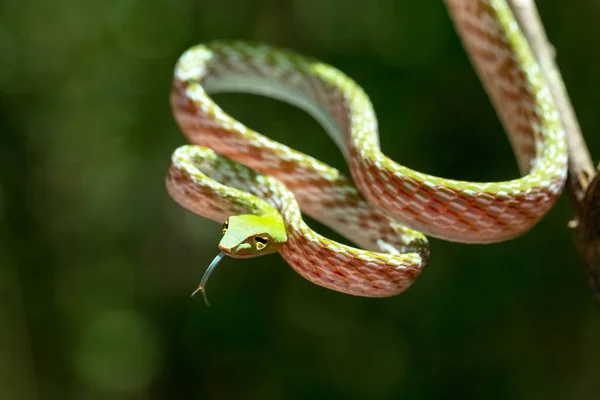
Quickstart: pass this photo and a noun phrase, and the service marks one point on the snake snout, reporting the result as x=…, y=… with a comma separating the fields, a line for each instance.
x=238, y=250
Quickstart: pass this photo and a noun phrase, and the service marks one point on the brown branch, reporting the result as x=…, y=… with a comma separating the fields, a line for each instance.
x=582, y=182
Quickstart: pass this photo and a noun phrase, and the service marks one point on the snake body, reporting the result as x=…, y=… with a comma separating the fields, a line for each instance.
x=232, y=170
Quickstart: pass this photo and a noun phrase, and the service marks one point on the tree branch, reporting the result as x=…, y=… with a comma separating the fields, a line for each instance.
x=582, y=182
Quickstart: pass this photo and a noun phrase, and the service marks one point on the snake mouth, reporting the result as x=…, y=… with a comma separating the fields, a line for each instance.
x=242, y=250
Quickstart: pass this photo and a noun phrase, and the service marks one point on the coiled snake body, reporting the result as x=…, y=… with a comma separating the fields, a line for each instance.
x=261, y=187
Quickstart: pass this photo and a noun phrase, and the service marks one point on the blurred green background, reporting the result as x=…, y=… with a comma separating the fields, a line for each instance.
x=97, y=262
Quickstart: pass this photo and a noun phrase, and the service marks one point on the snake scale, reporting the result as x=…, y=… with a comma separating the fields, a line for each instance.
x=259, y=188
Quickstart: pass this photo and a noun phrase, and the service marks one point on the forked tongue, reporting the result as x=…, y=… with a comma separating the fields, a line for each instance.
x=209, y=270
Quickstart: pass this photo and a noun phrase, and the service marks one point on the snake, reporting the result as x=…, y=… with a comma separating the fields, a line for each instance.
x=259, y=188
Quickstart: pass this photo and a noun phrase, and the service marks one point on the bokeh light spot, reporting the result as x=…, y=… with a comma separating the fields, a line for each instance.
x=118, y=353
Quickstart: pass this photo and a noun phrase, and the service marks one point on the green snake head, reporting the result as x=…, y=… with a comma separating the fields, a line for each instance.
x=246, y=236
x=249, y=235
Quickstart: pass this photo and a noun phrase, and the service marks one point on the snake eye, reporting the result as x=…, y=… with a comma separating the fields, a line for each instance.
x=225, y=225
x=260, y=242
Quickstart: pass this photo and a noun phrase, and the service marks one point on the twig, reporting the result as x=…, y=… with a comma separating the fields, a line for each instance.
x=582, y=182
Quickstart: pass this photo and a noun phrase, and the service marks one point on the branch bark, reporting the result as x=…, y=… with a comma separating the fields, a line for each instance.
x=582, y=182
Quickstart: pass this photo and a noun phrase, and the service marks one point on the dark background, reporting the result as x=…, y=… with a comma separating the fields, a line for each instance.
x=97, y=262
